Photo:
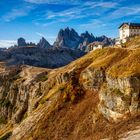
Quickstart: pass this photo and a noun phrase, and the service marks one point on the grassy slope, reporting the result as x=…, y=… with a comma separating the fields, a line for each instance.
x=117, y=62
x=133, y=42
x=74, y=121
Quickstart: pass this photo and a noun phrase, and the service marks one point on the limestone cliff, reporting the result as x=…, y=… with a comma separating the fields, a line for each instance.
x=94, y=97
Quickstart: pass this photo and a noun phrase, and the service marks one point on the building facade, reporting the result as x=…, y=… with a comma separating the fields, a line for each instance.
x=95, y=45
x=127, y=30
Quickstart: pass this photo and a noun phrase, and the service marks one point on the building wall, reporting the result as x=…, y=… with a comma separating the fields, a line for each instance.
x=127, y=31
x=124, y=32
x=134, y=32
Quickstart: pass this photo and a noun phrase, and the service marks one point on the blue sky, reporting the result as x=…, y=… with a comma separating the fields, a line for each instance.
x=32, y=19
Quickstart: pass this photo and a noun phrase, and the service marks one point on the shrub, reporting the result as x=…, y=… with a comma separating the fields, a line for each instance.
x=42, y=101
x=117, y=91
x=42, y=77
x=71, y=92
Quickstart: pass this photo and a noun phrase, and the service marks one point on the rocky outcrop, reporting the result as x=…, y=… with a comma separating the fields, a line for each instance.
x=41, y=57
x=14, y=97
x=19, y=99
x=119, y=98
x=4, y=55
x=21, y=42
x=105, y=40
x=67, y=38
x=43, y=43
x=93, y=78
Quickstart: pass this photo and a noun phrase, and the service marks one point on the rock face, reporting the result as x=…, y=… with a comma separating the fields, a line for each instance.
x=105, y=40
x=67, y=38
x=120, y=97
x=13, y=103
x=87, y=38
x=21, y=42
x=70, y=38
x=43, y=43
x=3, y=55
x=41, y=57
x=100, y=90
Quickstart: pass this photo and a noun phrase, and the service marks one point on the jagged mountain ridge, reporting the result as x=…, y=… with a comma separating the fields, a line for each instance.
x=43, y=43
x=96, y=96
x=70, y=38
x=67, y=38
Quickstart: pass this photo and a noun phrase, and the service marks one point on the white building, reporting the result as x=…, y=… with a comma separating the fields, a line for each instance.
x=95, y=45
x=127, y=30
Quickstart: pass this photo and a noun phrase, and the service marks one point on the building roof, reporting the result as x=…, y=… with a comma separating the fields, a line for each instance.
x=96, y=43
x=130, y=24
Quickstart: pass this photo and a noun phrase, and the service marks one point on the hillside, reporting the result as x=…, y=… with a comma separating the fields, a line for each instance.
x=94, y=97
x=39, y=56
x=133, y=42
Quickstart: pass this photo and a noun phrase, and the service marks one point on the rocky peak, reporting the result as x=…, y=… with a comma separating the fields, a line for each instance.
x=67, y=38
x=87, y=38
x=86, y=34
x=43, y=43
x=21, y=42
x=105, y=40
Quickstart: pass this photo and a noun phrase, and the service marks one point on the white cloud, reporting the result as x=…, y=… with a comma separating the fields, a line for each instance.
x=7, y=43
x=125, y=11
x=53, y=1
x=15, y=13
x=81, y=11
x=40, y=34
x=93, y=24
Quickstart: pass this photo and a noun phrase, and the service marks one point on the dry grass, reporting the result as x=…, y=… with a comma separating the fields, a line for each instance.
x=133, y=42
x=129, y=66
x=117, y=62
x=2, y=67
x=5, y=129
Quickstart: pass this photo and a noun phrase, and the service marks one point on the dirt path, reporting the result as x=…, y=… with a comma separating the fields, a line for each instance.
x=26, y=73
x=29, y=73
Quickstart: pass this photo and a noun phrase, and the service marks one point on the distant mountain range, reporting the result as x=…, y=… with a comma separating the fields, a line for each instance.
x=69, y=45
x=40, y=57
x=69, y=38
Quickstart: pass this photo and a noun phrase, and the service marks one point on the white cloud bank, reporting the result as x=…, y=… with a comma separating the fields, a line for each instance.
x=7, y=43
